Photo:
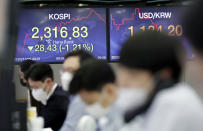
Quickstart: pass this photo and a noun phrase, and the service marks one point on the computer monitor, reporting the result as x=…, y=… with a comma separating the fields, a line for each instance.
x=125, y=22
x=48, y=34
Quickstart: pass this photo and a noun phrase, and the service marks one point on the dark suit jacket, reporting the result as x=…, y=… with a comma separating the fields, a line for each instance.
x=54, y=112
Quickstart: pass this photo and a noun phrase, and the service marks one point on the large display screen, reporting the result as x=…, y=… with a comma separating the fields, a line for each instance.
x=125, y=22
x=46, y=35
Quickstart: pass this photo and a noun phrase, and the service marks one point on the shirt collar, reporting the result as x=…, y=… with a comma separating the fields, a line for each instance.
x=52, y=91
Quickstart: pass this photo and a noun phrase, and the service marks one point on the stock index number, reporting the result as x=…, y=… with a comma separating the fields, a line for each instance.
x=62, y=32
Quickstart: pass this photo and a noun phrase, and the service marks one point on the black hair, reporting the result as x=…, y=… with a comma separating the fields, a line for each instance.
x=152, y=51
x=192, y=25
x=25, y=65
x=39, y=72
x=83, y=55
x=92, y=75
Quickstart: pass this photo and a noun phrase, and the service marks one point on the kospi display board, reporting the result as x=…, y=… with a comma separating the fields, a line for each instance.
x=125, y=22
x=47, y=34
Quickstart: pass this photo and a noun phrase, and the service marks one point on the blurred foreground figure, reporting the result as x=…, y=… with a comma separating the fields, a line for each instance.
x=193, y=26
x=150, y=91
x=54, y=99
x=95, y=82
x=72, y=63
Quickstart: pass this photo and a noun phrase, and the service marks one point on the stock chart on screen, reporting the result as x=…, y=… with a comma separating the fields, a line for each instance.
x=125, y=22
x=47, y=34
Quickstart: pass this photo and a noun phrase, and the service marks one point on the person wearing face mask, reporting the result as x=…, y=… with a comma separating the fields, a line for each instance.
x=72, y=63
x=95, y=83
x=151, y=93
x=24, y=67
x=54, y=99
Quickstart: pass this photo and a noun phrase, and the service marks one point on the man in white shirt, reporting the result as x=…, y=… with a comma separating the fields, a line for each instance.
x=155, y=99
x=95, y=83
x=76, y=111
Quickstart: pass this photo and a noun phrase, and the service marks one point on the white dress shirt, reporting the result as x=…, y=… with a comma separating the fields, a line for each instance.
x=75, y=112
x=175, y=109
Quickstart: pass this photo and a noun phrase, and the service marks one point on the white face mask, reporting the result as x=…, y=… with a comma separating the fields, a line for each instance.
x=97, y=110
x=131, y=98
x=66, y=78
x=40, y=95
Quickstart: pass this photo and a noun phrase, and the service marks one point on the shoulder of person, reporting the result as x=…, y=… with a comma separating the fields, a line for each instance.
x=60, y=96
x=179, y=97
x=179, y=106
x=59, y=92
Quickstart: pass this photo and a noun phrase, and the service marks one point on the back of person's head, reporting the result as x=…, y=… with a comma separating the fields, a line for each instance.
x=192, y=24
x=92, y=75
x=25, y=65
x=151, y=51
x=39, y=72
x=83, y=55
